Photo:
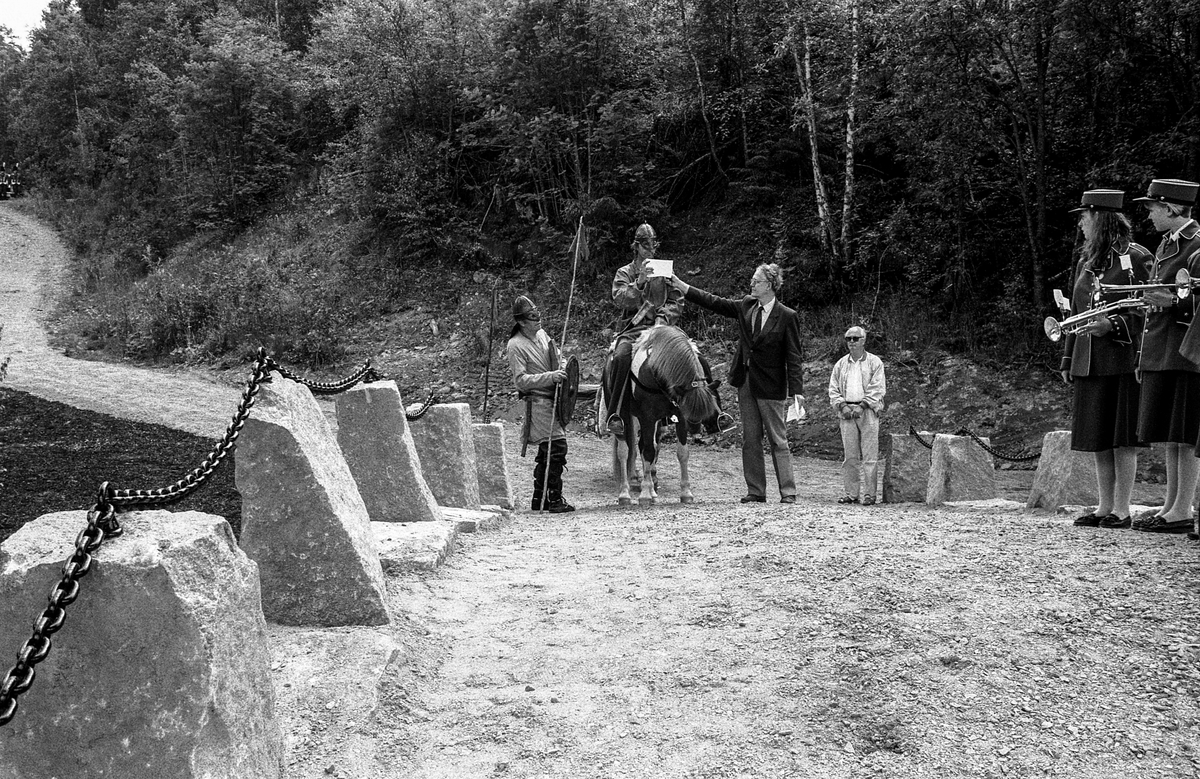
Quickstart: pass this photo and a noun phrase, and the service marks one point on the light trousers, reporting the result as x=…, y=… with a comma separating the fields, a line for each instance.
x=860, y=443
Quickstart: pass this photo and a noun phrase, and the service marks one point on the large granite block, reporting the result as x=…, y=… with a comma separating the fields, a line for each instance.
x=374, y=437
x=162, y=668
x=906, y=469
x=959, y=469
x=303, y=520
x=495, y=486
x=1064, y=477
x=446, y=445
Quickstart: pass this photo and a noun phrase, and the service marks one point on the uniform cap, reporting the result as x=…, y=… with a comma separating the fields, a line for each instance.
x=1101, y=200
x=1176, y=191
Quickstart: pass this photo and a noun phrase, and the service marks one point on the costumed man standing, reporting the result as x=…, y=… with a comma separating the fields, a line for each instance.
x=767, y=369
x=537, y=369
x=1100, y=358
x=856, y=389
x=1169, y=407
x=642, y=301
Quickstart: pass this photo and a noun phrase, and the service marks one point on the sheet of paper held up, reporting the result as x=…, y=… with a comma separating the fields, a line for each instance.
x=660, y=269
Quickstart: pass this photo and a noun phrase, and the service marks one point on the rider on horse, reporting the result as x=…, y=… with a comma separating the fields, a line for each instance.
x=643, y=302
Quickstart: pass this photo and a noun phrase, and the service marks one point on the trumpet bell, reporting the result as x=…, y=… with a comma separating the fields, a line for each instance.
x=1053, y=329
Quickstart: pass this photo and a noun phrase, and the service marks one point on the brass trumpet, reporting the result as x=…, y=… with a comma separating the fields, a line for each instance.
x=1055, y=330
x=1182, y=286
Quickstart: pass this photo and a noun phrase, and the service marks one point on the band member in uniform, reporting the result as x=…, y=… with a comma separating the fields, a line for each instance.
x=537, y=370
x=642, y=301
x=1169, y=411
x=1100, y=359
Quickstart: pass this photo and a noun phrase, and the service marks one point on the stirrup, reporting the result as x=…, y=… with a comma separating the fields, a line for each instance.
x=725, y=422
x=615, y=425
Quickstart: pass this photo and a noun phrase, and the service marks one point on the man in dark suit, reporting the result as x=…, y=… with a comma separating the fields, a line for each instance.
x=767, y=369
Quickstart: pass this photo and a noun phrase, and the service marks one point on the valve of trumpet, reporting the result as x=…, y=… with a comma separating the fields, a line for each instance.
x=1183, y=284
x=1053, y=329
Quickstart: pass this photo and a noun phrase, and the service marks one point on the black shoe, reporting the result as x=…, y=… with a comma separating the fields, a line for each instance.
x=754, y=499
x=1113, y=521
x=1088, y=520
x=616, y=426
x=788, y=499
x=1161, y=525
x=559, y=506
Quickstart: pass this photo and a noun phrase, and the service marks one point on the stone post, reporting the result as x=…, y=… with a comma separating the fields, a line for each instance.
x=959, y=469
x=303, y=520
x=495, y=486
x=374, y=436
x=1064, y=477
x=906, y=470
x=446, y=445
x=161, y=670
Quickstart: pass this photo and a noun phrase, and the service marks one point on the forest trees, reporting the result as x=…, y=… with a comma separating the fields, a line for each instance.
x=933, y=146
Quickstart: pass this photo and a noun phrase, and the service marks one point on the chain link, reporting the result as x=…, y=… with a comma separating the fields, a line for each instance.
x=987, y=448
x=102, y=522
x=428, y=404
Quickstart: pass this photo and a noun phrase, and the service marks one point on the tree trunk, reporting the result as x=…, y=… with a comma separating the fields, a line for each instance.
x=804, y=75
x=712, y=138
x=851, y=127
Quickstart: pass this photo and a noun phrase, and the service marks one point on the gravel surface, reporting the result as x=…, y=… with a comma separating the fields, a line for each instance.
x=716, y=639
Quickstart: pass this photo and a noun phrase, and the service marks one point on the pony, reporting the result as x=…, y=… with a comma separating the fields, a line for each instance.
x=669, y=384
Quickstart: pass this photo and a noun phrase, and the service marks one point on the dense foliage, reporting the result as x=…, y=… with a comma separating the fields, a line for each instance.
x=926, y=149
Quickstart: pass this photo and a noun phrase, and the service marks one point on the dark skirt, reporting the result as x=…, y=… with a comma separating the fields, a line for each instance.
x=1105, y=413
x=1170, y=408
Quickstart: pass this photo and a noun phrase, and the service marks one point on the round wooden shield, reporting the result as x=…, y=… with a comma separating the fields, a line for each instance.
x=568, y=392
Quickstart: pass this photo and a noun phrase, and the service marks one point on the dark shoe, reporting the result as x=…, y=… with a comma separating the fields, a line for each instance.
x=868, y=501
x=1088, y=520
x=1140, y=520
x=616, y=426
x=1161, y=525
x=559, y=506
x=753, y=499
x=788, y=499
x=1113, y=521
x=847, y=499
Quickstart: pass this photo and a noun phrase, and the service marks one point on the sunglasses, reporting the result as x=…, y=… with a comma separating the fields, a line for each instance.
x=854, y=338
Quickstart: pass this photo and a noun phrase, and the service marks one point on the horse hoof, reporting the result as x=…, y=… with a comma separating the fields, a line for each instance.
x=624, y=502
x=686, y=499
x=645, y=501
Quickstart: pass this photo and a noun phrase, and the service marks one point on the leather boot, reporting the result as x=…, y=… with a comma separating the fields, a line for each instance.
x=555, y=503
x=539, y=476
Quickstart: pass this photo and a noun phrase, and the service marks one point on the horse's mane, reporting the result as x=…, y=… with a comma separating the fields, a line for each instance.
x=675, y=365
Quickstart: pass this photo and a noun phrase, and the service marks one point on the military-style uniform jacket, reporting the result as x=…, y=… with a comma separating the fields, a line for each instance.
x=1166, y=328
x=1117, y=351
x=639, y=307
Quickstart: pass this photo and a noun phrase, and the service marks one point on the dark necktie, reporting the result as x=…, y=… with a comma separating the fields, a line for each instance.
x=758, y=320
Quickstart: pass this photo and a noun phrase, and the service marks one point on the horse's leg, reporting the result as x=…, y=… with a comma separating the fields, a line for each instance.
x=620, y=454
x=648, y=444
x=683, y=453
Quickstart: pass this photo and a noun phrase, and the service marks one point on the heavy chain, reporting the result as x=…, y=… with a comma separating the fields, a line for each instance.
x=912, y=431
x=428, y=404
x=20, y=677
x=963, y=431
x=102, y=523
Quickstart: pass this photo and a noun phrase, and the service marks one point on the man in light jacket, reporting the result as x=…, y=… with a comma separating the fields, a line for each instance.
x=856, y=390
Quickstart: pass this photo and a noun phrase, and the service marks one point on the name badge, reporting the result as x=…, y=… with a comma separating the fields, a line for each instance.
x=1126, y=262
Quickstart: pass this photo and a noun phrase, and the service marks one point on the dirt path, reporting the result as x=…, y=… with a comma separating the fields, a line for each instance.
x=721, y=640
x=32, y=266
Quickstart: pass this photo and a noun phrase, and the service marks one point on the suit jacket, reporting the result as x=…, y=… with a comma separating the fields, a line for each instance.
x=1166, y=328
x=772, y=361
x=1117, y=351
